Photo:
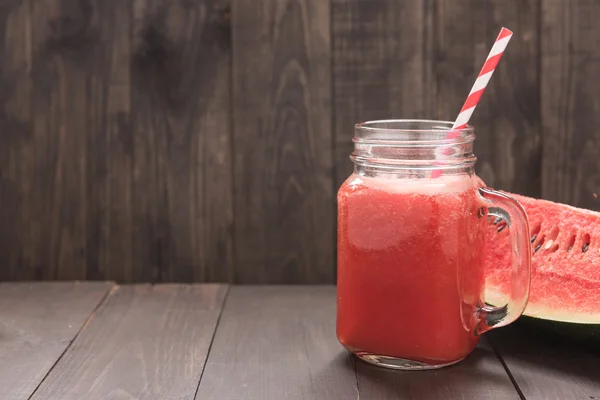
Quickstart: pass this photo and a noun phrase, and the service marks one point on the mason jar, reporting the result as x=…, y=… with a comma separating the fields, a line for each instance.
x=411, y=243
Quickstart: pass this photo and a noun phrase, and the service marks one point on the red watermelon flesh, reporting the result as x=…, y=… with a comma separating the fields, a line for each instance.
x=565, y=279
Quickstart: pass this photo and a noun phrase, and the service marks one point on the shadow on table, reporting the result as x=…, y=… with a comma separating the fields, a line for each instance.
x=479, y=376
x=530, y=349
x=579, y=337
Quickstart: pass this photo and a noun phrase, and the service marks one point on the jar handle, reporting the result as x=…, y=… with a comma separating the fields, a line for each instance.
x=515, y=217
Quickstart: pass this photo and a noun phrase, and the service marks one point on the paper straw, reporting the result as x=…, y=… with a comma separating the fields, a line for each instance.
x=482, y=80
x=479, y=86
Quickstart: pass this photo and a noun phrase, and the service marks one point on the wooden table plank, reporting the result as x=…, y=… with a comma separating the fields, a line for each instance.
x=278, y=342
x=480, y=376
x=548, y=367
x=144, y=342
x=38, y=321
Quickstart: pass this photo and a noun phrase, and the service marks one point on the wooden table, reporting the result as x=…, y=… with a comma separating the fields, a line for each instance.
x=93, y=340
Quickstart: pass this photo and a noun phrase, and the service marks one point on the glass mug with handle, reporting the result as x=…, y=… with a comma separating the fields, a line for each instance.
x=411, y=243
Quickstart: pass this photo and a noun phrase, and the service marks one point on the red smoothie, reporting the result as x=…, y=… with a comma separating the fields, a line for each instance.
x=410, y=266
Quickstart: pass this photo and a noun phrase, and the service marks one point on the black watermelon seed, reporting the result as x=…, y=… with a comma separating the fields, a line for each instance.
x=501, y=228
x=585, y=247
x=537, y=248
x=533, y=238
x=497, y=220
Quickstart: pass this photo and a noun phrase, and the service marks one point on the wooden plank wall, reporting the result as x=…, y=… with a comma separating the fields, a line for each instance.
x=178, y=140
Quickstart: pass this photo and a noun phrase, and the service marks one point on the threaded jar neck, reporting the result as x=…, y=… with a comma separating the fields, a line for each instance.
x=390, y=146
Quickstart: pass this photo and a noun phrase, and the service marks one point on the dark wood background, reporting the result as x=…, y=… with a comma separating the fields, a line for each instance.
x=204, y=140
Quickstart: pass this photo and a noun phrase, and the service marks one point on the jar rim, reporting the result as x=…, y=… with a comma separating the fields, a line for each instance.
x=412, y=130
x=413, y=144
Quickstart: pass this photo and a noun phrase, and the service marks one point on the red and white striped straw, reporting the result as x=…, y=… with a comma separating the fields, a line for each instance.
x=478, y=87
x=482, y=80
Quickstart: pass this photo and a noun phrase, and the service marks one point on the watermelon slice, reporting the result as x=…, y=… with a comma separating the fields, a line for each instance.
x=565, y=279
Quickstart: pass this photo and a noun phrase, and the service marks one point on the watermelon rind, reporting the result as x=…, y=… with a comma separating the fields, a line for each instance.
x=581, y=328
x=533, y=310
